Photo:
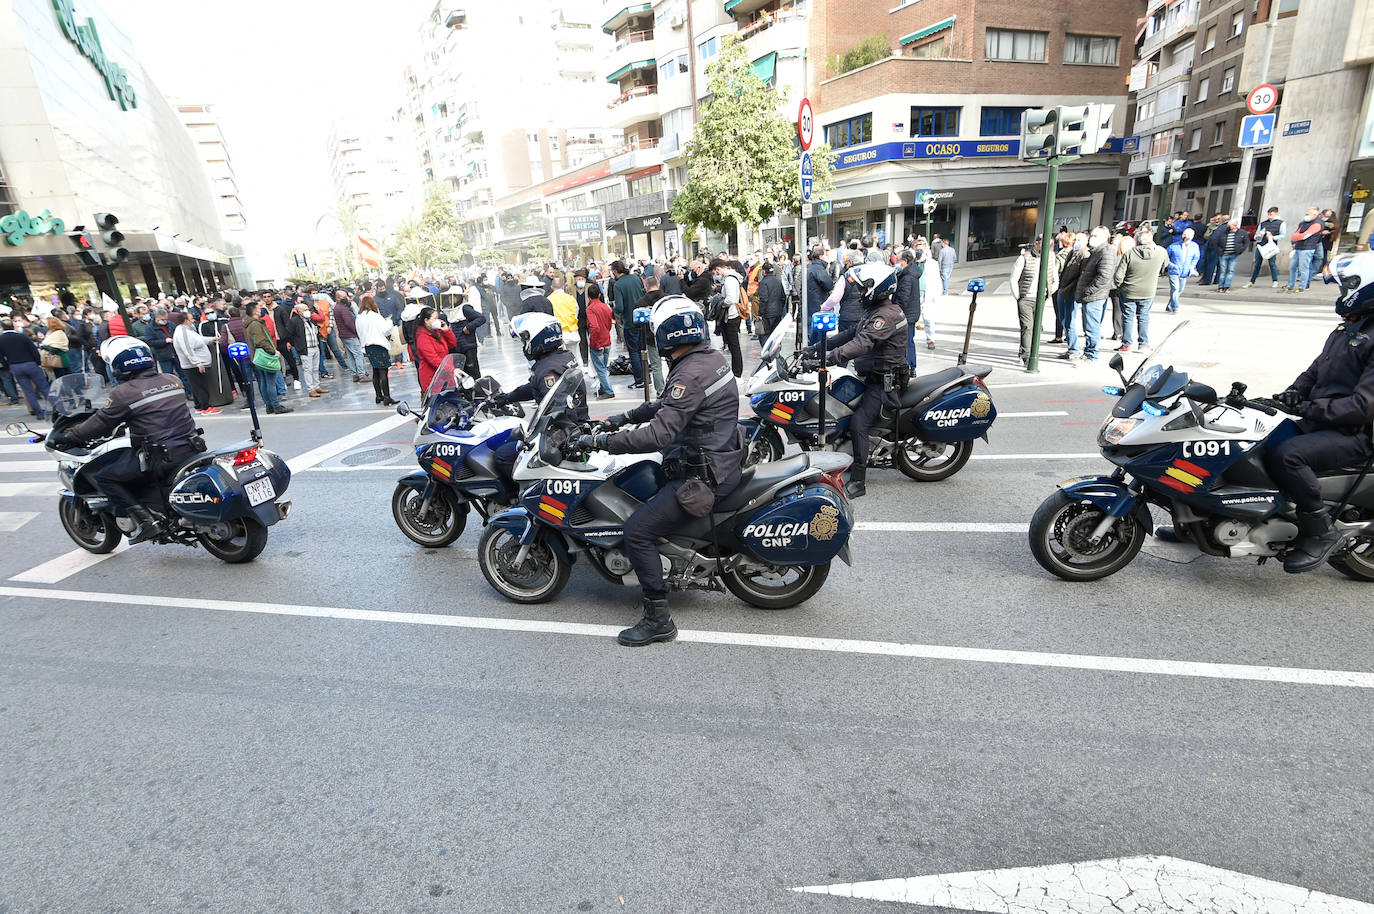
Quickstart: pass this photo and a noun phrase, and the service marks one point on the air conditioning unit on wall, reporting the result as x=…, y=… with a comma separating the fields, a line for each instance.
x=676, y=21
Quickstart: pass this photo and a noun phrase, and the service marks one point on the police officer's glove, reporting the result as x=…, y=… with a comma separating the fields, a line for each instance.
x=808, y=365
x=584, y=444
x=611, y=423
x=500, y=399
x=61, y=438
x=1290, y=401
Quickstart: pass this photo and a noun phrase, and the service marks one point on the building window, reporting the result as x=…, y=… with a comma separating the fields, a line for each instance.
x=1204, y=86
x=1145, y=110
x=608, y=195
x=708, y=49
x=646, y=185
x=1210, y=41
x=850, y=132
x=1228, y=79
x=936, y=48
x=1195, y=142
x=1092, y=49
x=1162, y=143
x=999, y=121
x=1237, y=24
x=1006, y=44
x=1219, y=133
x=937, y=122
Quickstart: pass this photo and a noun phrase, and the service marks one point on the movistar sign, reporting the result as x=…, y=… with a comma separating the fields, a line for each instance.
x=87, y=40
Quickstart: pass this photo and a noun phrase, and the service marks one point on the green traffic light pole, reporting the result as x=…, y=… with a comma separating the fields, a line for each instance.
x=1163, y=204
x=1046, y=238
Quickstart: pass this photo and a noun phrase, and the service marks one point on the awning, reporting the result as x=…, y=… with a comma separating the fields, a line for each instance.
x=928, y=30
x=740, y=7
x=765, y=67
x=616, y=21
x=630, y=68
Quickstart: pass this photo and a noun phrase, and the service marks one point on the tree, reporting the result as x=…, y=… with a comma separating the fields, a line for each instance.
x=434, y=241
x=742, y=158
x=871, y=50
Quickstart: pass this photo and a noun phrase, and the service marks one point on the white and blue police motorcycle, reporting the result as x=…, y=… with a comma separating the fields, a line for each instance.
x=1199, y=458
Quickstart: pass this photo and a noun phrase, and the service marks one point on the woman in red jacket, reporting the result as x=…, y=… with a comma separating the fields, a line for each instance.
x=433, y=342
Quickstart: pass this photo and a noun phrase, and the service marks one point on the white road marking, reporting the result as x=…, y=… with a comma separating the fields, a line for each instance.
x=881, y=526
x=392, y=467
x=64, y=566
x=1056, y=412
x=27, y=466
x=21, y=449
x=339, y=445
x=1348, y=679
x=14, y=489
x=13, y=520
x=1150, y=883
x=233, y=412
x=1036, y=456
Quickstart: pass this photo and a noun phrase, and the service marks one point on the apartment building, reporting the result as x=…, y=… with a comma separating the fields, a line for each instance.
x=941, y=114
x=202, y=123
x=372, y=174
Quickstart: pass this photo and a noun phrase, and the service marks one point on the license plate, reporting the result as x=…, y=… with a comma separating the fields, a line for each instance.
x=259, y=491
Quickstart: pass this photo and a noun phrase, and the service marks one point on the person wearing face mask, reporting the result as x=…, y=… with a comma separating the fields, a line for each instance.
x=158, y=336
x=580, y=282
x=433, y=342
x=1070, y=263
x=1090, y=295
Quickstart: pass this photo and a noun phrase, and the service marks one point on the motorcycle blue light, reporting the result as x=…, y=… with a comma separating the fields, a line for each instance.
x=1154, y=410
x=756, y=399
x=1114, y=391
x=825, y=320
x=238, y=351
x=33, y=439
x=641, y=315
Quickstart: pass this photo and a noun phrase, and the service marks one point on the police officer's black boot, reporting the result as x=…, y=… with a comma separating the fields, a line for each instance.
x=656, y=625
x=1317, y=539
x=149, y=526
x=856, y=488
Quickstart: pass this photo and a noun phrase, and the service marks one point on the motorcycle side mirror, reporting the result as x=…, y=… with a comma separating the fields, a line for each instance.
x=15, y=429
x=1201, y=393
x=403, y=409
x=1117, y=363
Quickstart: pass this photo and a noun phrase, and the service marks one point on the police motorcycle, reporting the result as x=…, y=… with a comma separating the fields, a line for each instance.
x=458, y=430
x=222, y=499
x=770, y=542
x=1200, y=458
x=939, y=417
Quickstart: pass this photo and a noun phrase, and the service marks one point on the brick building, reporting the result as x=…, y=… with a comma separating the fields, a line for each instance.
x=942, y=113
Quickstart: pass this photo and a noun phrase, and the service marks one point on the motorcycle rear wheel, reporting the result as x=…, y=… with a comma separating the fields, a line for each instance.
x=245, y=542
x=777, y=588
x=541, y=577
x=1354, y=565
x=443, y=525
x=1058, y=540
x=96, y=533
x=932, y=468
x=766, y=448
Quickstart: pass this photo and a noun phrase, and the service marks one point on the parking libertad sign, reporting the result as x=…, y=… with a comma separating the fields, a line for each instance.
x=87, y=40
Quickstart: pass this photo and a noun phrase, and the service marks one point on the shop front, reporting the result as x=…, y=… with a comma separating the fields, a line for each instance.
x=579, y=236
x=653, y=236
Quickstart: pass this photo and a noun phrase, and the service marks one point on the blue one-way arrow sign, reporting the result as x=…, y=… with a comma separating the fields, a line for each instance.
x=1257, y=130
x=807, y=177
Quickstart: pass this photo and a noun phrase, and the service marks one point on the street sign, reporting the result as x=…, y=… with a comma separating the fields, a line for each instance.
x=806, y=124
x=1297, y=128
x=808, y=176
x=1257, y=130
x=1262, y=99
x=807, y=210
x=1152, y=883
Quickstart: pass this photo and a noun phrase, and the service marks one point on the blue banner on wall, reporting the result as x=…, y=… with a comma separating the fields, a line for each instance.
x=947, y=149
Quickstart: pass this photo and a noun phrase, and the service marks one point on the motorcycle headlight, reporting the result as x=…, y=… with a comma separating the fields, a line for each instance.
x=1113, y=430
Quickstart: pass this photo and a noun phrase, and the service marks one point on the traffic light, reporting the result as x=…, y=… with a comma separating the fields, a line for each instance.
x=111, y=237
x=85, y=250
x=1176, y=172
x=1038, y=132
x=1157, y=176
x=1097, y=127
x=928, y=203
x=1075, y=130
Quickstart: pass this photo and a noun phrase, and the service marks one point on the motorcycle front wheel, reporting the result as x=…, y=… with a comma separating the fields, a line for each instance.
x=236, y=541
x=1060, y=533
x=95, y=533
x=439, y=525
x=932, y=461
x=767, y=447
x=780, y=587
x=539, y=578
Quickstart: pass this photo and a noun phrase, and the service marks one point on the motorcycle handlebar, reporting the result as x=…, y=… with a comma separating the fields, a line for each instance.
x=1237, y=400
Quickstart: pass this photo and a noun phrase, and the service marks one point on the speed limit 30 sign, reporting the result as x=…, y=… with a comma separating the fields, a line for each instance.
x=1262, y=99
x=806, y=124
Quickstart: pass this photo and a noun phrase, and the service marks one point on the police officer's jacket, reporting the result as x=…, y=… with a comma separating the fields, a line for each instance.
x=699, y=409
x=877, y=344
x=154, y=406
x=547, y=370
x=1340, y=382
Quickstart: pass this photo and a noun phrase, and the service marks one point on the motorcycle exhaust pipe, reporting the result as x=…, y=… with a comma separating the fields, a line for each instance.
x=283, y=510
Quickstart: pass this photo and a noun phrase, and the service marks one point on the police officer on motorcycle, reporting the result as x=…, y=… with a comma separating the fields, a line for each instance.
x=696, y=426
x=1334, y=399
x=541, y=339
x=877, y=345
x=162, y=431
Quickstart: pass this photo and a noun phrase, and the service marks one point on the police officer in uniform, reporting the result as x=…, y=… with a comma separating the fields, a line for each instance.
x=696, y=426
x=154, y=407
x=1335, y=399
x=877, y=344
x=541, y=338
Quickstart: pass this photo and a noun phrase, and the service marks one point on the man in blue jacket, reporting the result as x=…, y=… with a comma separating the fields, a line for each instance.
x=1183, y=259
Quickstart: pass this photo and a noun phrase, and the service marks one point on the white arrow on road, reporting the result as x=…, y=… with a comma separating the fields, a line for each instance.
x=1124, y=885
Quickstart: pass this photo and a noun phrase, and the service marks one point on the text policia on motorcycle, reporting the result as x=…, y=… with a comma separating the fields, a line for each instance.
x=679, y=492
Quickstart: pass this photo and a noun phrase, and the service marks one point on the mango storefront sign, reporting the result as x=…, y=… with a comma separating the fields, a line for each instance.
x=17, y=226
x=87, y=41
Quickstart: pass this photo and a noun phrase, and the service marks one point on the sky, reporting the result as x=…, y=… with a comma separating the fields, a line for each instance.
x=279, y=72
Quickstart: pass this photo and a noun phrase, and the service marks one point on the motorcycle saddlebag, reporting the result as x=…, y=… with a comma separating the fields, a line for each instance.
x=962, y=414
x=806, y=528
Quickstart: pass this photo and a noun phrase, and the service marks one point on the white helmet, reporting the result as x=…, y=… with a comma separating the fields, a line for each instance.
x=878, y=281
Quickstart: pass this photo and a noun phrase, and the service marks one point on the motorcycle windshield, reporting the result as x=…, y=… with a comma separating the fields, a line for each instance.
x=77, y=393
x=782, y=336
x=1177, y=345
x=448, y=377
x=556, y=401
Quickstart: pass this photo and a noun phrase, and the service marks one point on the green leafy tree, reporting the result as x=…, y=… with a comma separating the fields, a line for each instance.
x=403, y=250
x=870, y=50
x=440, y=230
x=742, y=158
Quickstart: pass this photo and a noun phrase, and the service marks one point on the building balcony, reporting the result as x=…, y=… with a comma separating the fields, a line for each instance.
x=1141, y=161
x=774, y=32
x=1144, y=126
x=1171, y=73
x=634, y=106
x=634, y=51
x=645, y=155
x=642, y=205
x=624, y=14
x=1176, y=25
